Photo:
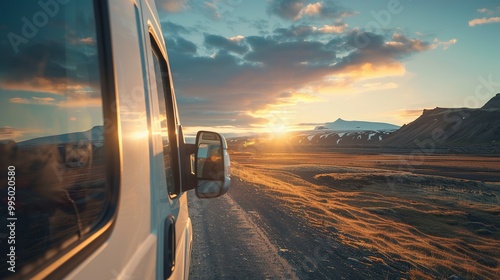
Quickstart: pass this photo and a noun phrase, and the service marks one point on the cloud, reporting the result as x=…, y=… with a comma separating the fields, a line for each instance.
x=58, y=86
x=75, y=40
x=215, y=10
x=211, y=10
x=82, y=101
x=333, y=29
x=172, y=6
x=297, y=32
x=287, y=9
x=33, y=100
x=297, y=9
x=444, y=44
x=480, y=21
x=52, y=69
x=9, y=133
x=372, y=56
x=233, y=44
x=59, y=75
x=312, y=9
x=180, y=45
x=15, y=134
x=278, y=54
x=174, y=29
x=305, y=31
x=249, y=76
x=489, y=11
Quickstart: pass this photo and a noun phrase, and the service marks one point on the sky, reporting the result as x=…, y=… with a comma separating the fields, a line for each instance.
x=276, y=65
x=259, y=66
x=49, y=70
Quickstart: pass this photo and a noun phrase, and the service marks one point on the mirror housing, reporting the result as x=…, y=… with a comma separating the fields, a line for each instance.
x=212, y=165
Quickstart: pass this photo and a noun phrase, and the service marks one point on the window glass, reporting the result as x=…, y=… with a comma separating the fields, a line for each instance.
x=162, y=90
x=52, y=168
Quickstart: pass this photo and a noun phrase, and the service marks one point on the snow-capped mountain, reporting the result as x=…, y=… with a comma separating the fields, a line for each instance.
x=340, y=138
x=343, y=125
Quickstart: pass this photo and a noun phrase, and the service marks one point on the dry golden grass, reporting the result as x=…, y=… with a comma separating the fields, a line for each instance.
x=439, y=225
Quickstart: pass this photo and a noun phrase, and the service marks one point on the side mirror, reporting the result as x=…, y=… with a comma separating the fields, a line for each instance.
x=212, y=165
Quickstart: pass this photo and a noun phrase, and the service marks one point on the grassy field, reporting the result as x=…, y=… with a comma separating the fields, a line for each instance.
x=438, y=215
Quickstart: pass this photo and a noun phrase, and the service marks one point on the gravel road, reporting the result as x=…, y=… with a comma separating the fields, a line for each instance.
x=245, y=234
x=230, y=244
x=343, y=216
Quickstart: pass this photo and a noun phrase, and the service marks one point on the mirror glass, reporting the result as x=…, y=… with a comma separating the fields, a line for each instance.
x=209, y=165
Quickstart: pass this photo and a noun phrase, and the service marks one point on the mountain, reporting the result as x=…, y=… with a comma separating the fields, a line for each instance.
x=343, y=125
x=456, y=130
x=451, y=127
x=339, y=138
x=493, y=103
x=94, y=135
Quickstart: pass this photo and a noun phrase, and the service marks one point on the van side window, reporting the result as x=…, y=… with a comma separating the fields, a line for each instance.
x=53, y=182
x=164, y=96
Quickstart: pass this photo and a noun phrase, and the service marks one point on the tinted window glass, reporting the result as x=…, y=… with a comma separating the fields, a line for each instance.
x=162, y=90
x=52, y=175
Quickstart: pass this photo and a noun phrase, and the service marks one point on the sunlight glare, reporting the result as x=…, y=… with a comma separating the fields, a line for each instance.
x=140, y=134
x=278, y=128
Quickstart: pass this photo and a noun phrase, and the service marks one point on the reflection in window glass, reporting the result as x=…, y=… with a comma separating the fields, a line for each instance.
x=51, y=130
x=161, y=88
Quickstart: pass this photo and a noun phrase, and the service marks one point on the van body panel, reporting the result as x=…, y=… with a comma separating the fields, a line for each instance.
x=102, y=185
x=135, y=247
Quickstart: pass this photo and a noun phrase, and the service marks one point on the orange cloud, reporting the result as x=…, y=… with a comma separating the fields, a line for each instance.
x=33, y=100
x=311, y=10
x=370, y=70
x=402, y=42
x=480, y=21
x=237, y=39
x=332, y=29
x=59, y=86
x=11, y=133
x=87, y=41
x=266, y=73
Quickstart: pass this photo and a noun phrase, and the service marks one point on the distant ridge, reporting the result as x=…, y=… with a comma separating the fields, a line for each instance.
x=453, y=130
x=94, y=135
x=451, y=127
x=343, y=125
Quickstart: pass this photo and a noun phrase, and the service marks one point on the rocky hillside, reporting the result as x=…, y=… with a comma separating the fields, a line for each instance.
x=493, y=103
x=340, y=138
x=451, y=127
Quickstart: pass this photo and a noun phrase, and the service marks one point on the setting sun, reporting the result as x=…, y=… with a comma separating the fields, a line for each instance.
x=278, y=128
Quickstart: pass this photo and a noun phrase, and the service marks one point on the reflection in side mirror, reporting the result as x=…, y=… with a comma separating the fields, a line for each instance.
x=212, y=165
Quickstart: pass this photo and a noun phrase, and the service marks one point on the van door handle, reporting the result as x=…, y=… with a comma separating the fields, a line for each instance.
x=169, y=247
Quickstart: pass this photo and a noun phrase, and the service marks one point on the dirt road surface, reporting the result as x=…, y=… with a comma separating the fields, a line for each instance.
x=230, y=243
x=340, y=216
x=247, y=235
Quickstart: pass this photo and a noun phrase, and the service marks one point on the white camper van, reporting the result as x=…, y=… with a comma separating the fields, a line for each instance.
x=94, y=168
